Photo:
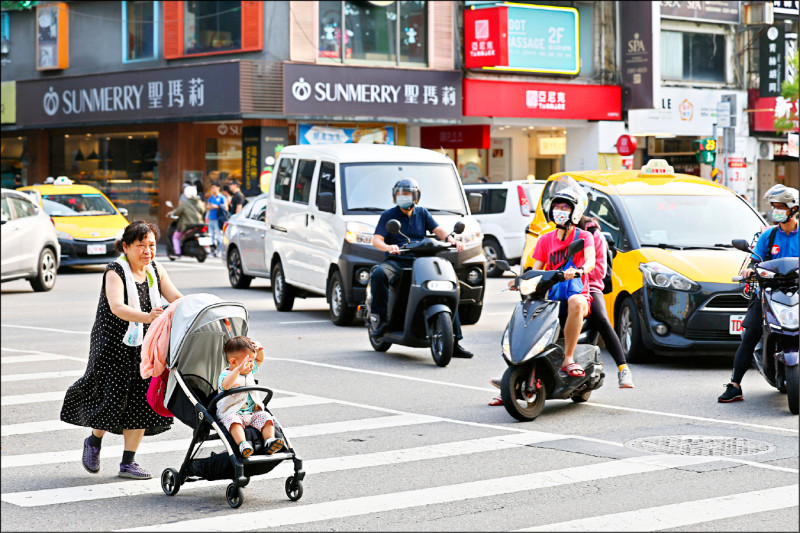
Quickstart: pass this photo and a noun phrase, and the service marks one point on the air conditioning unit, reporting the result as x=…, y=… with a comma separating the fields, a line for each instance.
x=765, y=150
x=759, y=13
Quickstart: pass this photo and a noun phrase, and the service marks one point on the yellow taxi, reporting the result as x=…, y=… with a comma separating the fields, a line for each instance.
x=86, y=221
x=672, y=289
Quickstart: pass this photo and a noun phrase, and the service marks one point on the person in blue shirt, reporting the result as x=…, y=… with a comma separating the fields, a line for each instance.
x=214, y=203
x=784, y=243
x=414, y=221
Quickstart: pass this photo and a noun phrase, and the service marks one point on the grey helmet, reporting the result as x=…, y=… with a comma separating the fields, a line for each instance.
x=407, y=185
x=781, y=194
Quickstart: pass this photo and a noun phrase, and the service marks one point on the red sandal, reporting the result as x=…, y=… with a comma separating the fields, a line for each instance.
x=573, y=370
x=497, y=400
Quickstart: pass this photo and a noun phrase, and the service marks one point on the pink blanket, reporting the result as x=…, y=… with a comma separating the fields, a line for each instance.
x=155, y=346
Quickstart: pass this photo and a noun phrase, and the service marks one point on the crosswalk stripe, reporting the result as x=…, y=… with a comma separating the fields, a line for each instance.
x=38, y=397
x=46, y=329
x=684, y=514
x=314, y=466
x=36, y=357
x=41, y=375
x=304, y=514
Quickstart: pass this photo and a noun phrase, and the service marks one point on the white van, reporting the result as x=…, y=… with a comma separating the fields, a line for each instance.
x=324, y=203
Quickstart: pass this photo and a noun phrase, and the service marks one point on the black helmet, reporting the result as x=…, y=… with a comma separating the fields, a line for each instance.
x=407, y=185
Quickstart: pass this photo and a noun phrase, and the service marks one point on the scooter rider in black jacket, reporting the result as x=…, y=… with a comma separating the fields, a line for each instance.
x=414, y=222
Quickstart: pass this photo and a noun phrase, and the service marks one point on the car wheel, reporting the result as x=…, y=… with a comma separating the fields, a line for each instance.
x=236, y=275
x=493, y=252
x=282, y=293
x=341, y=313
x=46, y=274
x=470, y=313
x=629, y=331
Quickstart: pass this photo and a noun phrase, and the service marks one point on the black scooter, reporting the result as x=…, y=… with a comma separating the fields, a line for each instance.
x=422, y=305
x=195, y=242
x=534, y=356
x=776, y=355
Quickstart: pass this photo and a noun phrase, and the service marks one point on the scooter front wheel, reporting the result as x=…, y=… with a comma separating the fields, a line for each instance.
x=378, y=346
x=441, y=328
x=792, y=386
x=522, y=402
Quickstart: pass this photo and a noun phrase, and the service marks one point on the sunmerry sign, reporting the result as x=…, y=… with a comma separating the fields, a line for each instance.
x=175, y=92
x=523, y=38
x=313, y=90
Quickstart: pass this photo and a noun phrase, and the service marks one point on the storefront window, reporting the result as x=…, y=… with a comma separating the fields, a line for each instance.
x=692, y=56
x=373, y=31
x=139, y=36
x=223, y=159
x=15, y=158
x=211, y=26
x=124, y=166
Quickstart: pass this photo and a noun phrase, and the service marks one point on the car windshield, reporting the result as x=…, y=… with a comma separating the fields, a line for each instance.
x=76, y=205
x=691, y=221
x=368, y=186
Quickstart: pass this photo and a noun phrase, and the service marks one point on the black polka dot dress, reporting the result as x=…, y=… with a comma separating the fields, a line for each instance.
x=112, y=395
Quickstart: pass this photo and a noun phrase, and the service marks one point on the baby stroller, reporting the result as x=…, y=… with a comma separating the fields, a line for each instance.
x=201, y=325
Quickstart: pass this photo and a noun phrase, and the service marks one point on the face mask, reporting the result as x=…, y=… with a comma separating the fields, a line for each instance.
x=560, y=217
x=779, y=215
x=404, y=202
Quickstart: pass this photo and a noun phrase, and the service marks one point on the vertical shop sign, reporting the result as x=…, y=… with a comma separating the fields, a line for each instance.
x=260, y=149
x=486, y=37
x=771, y=68
x=640, y=62
x=736, y=177
x=52, y=36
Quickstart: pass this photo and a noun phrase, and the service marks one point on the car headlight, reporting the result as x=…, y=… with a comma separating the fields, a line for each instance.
x=787, y=315
x=358, y=232
x=64, y=236
x=527, y=286
x=436, y=285
x=506, y=343
x=543, y=341
x=658, y=275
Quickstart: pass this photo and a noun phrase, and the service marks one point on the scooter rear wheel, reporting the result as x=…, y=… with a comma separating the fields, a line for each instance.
x=521, y=404
x=441, y=328
x=792, y=386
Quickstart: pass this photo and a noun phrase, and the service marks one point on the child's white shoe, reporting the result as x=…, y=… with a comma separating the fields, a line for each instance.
x=245, y=449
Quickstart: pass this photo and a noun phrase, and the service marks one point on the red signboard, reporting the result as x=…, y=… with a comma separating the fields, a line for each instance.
x=486, y=37
x=626, y=145
x=473, y=136
x=490, y=98
x=765, y=108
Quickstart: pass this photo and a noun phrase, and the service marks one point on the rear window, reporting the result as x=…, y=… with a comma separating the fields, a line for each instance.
x=71, y=205
x=494, y=200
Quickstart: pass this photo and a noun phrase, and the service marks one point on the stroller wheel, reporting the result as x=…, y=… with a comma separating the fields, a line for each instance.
x=170, y=481
x=234, y=495
x=294, y=488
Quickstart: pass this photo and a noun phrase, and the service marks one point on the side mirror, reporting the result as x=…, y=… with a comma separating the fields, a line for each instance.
x=459, y=227
x=575, y=247
x=475, y=202
x=502, y=264
x=393, y=226
x=325, y=202
x=168, y=204
x=740, y=244
x=124, y=212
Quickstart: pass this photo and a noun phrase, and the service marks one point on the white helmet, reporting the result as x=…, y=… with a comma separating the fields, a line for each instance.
x=781, y=194
x=190, y=192
x=566, y=189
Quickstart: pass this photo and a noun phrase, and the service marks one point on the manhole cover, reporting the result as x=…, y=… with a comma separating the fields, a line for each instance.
x=701, y=445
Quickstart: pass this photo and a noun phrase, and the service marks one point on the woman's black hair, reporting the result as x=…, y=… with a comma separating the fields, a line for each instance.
x=136, y=231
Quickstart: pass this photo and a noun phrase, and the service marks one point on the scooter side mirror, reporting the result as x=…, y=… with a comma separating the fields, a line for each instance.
x=502, y=264
x=459, y=227
x=168, y=203
x=393, y=226
x=575, y=247
x=740, y=244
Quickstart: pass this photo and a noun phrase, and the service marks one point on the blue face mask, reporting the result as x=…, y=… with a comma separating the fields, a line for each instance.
x=779, y=215
x=404, y=202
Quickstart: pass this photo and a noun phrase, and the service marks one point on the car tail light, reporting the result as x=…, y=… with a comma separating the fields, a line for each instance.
x=224, y=227
x=524, y=204
x=205, y=229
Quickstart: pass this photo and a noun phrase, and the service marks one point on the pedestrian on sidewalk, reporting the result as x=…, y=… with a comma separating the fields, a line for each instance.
x=111, y=395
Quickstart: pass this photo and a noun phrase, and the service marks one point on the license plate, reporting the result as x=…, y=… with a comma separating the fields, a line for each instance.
x=204, y=241
x=96, y=249
x=735, y=324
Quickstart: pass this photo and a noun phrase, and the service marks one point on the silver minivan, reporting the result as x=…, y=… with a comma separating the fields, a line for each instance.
x=324, y=203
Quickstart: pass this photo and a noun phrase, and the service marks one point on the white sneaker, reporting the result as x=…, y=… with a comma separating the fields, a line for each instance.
x=245, y=449
x=625, y=379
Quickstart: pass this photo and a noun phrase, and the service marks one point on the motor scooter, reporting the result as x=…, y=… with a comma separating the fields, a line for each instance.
x=776, y=355
x=195, y=241
x=533, y=352
x=421, y=307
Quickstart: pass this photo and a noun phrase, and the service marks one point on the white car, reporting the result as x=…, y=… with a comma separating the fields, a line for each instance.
x=29, y=241
x=506, y=211
x=243, y=243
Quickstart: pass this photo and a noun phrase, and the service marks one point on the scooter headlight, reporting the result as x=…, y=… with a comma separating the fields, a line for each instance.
x=543, y=341
x=439, y=285
x=528, y=286
x=764, y=273
x=787, y=315
x=506, y=344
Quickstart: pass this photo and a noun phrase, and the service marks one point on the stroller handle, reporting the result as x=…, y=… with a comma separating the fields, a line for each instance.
x=212, y=407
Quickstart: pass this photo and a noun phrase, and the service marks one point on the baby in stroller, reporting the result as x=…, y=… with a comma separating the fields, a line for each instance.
x=241, y=410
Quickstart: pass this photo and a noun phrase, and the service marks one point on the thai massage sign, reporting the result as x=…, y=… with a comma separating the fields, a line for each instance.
x=524, y=38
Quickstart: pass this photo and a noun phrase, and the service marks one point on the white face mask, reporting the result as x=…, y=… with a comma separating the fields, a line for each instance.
x=779, y=215
x=561, y=217
x=404, y=202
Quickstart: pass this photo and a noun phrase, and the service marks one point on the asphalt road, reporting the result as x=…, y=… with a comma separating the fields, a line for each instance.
x=391, y=441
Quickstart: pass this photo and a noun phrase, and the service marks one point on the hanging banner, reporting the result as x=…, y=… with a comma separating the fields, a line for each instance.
x=771, y=69
x=641, y=39
x=311, y=134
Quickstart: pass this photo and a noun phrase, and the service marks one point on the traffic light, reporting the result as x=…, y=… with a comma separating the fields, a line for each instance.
x=705, y=151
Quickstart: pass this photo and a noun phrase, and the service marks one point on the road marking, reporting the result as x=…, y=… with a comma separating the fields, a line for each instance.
x=25, y=399
x=304, y=514
x=41, y=375
x=304, y=321
x=46, y=329
x=38, y=498
x=35, y=357
x=684, y=514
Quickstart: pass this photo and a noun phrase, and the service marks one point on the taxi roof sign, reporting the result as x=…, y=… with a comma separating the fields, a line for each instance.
x=62, y=180
x=657, y=167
